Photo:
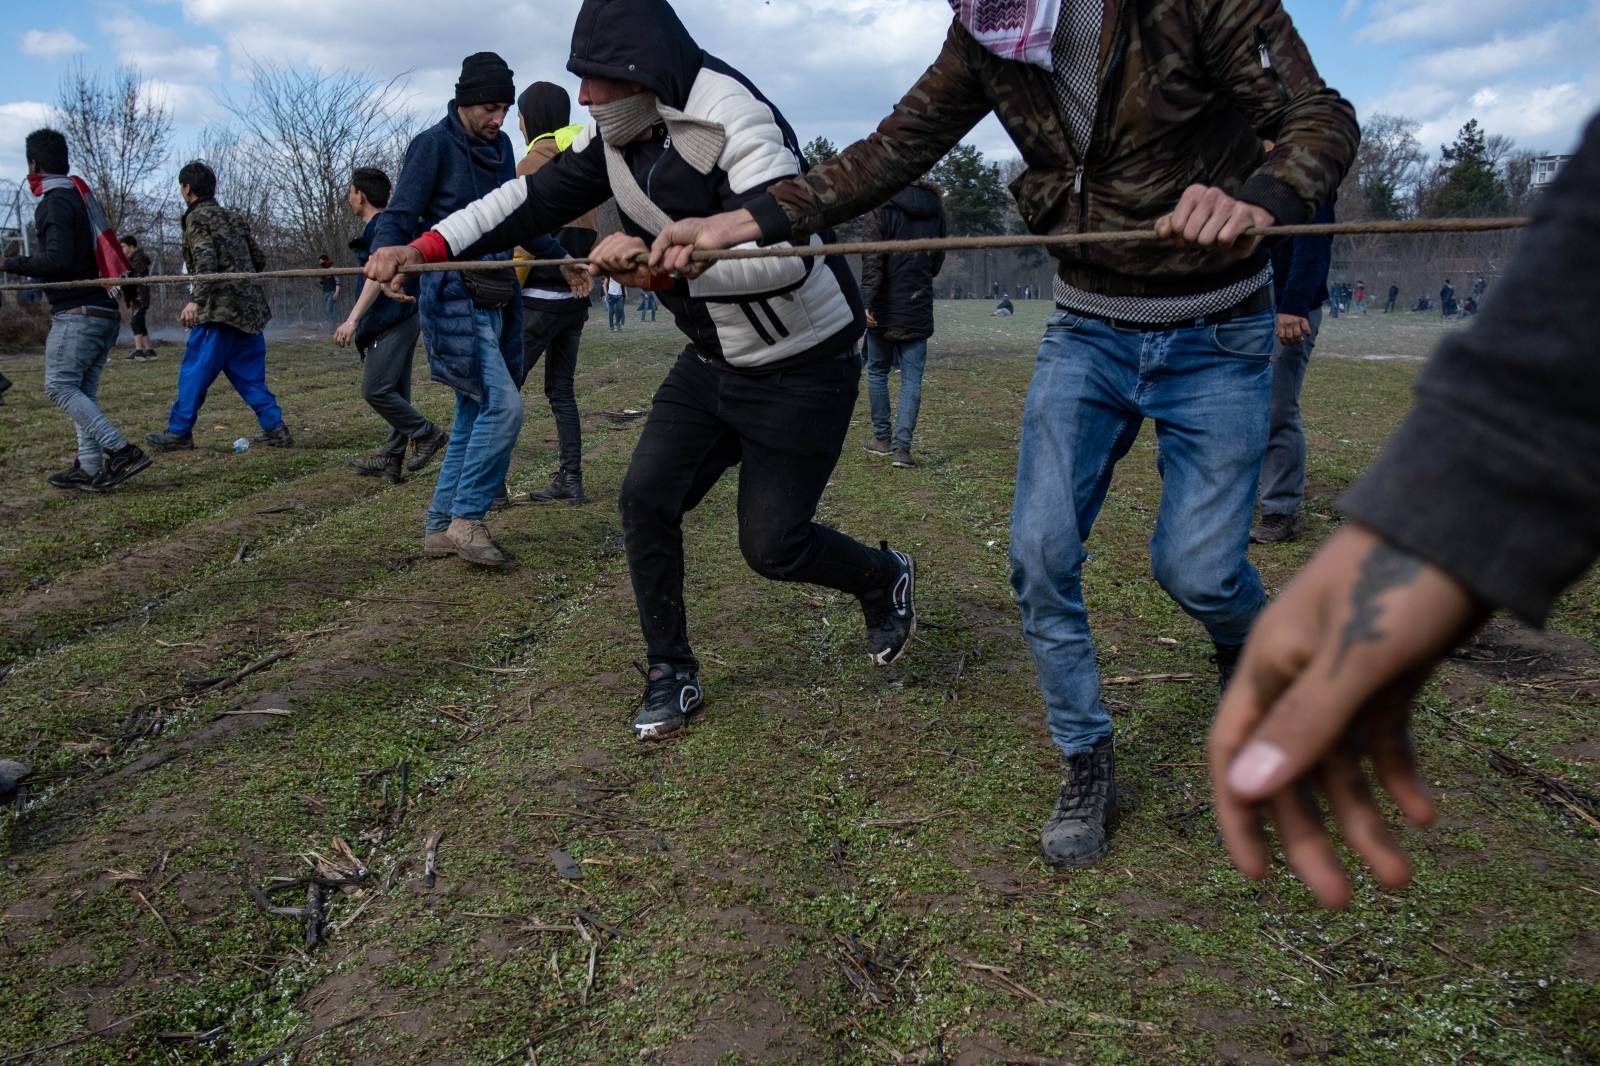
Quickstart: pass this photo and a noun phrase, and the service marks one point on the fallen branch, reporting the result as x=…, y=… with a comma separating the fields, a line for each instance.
x=896, y=823
x=165, y=928
x=1148, y=679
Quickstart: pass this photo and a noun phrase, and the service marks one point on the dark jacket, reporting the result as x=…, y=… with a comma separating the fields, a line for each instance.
x=1189, y=90
x=544, y=109
x=898, y=289
x=757, y=316
x=65, y=252
x=1495, y=476
x=216, y=241
x=385, y=314
x=446, y=169
x=1300, y=270
x=137, y=297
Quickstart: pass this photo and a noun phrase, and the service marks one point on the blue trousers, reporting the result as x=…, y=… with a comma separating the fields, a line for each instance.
x=1208, y=390
x=217, y=349
x=881, y=356
x=482, y=436
x=74, y=358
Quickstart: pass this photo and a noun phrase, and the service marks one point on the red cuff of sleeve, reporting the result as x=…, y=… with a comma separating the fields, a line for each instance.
x=660, y=282
x=434, y=248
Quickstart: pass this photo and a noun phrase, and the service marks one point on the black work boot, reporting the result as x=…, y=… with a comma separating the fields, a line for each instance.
x=167, y=441
x=379, y=465
x=76, y=477
x=277, y=438
x=1227, y=660
x=672, y=695
x=1277, y=528
x=1075, y=834
x=118, y=466
x=563, y=488
x=892, y=614
x=424, y=448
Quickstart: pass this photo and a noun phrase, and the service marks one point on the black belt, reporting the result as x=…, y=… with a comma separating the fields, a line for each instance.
x=93, y=312
x=1256, y=302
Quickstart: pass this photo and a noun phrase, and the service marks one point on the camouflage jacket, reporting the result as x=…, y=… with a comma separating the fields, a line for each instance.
x=1190, y=88
x=216, y=241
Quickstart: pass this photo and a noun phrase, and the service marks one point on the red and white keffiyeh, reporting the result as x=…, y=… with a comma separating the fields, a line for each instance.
x=108, y=256
x=1012, y=29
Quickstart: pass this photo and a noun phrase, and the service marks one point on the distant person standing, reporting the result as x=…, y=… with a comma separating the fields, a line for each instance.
x=137, y=298
x=1447, y=300
x=616, y=304
x=1394, y=299
x=898, y=293
x=647, y=306
x=330, y=295
x=225, y=319
x=1359, y=301
x=75, y=244
x=1299, y=273
x=1479, y=287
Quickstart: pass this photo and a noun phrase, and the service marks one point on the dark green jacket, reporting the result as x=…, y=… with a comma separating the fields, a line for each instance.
x=216, y=241
x=1190, y=88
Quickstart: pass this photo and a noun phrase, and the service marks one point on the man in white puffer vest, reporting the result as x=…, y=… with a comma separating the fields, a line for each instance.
x=769, y=377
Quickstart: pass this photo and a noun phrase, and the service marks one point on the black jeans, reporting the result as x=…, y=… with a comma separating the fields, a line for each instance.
x=386, y=384
x=555, y=335
x=786, y=429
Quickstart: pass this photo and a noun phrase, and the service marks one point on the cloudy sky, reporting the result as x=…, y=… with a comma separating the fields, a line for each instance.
x=1526, y=68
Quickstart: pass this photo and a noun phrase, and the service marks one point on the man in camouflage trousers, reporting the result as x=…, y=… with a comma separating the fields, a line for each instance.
x=1128, y=116
x=225, y=319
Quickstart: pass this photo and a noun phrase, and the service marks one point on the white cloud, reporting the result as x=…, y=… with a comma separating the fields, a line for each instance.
x=17, y=120
x=1430, y=22
x=1348, y=12
x=51, y=44
x=1497, y=58
x=161, y=52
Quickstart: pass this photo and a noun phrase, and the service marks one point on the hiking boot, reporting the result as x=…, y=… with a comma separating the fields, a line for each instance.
x=472, y=542
x=878, y=446
x=277, y=438
x=892, y=614
x=75, y=477
x=564, y=488
x=903, y=460
x=118, y=466
x=1277, y=528
x=672, y=695
x=438, y=545
x=167, y=441
x=1075, y=833
x=424, y=448
x=1227, y=660
x=388, y=466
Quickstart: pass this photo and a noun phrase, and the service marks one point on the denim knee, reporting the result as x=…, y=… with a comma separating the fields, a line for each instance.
x=1198, y=589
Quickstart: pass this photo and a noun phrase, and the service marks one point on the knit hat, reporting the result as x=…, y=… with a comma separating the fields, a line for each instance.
x=485, y=79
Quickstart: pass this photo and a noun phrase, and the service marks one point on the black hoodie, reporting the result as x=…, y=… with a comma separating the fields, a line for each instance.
x=898, y=289
x=730, y=315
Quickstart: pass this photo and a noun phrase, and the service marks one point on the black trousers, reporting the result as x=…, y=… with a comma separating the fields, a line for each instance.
x=137, y=324
x=554, y=335
x=386, y=384
x=785, y=431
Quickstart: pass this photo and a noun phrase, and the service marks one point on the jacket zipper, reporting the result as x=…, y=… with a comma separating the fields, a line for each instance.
x=1264, y=54
x=650, y=178
x=1103, y=115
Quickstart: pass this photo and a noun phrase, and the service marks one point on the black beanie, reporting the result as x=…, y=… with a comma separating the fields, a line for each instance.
x=485, y=79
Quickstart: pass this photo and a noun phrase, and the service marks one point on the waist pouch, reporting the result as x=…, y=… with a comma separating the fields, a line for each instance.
x=491, y=290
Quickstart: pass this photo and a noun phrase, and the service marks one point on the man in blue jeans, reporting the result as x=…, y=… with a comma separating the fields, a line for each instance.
x=1300, y=287
x=84, y=321
x=898, y=293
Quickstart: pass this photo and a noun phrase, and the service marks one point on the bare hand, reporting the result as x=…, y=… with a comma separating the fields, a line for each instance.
x=1292, y=329
x=190, y=315
x=1325, y=684
x=622, y=257
x=1209, y=217
x=342, y=335
x=579, y=280
x=384, y=264
x=673, y=252
x=872, y=319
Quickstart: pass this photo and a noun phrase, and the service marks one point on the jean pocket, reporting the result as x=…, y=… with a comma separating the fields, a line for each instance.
x=1064, y=320
x=1250, y=337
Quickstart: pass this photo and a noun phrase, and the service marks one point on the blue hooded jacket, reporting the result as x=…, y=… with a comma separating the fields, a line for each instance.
x=446, y=168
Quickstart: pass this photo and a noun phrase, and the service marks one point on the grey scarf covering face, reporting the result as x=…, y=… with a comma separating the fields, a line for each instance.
x=624, y=121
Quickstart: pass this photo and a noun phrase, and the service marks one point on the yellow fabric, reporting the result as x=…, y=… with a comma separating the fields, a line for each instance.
x=563, y=138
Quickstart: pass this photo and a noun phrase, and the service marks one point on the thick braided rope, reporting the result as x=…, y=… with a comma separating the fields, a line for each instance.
x=1405, y=227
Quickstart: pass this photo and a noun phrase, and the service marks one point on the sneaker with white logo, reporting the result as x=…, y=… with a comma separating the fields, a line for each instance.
x=892, y=615
x=672, y=696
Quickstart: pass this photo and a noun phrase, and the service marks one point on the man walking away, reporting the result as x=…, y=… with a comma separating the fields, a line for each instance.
x=1394, y=298
x=553, y=314
x=137, y=298
x=647, y=306
x=1447, y=299
x=898, y=293
x=225, y=319
x=616, y=304
x=1299, y=266
x=385, y=332
x=330, y=294
x=75, y=244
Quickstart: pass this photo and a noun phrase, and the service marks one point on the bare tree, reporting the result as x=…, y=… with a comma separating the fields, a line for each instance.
x=304, y=130
x=118, y=132
x=1388, y=167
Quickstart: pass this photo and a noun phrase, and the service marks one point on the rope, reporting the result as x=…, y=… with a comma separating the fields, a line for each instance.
x=1405, y=227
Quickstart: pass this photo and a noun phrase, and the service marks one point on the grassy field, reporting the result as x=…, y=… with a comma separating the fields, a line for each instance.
x=836, y=864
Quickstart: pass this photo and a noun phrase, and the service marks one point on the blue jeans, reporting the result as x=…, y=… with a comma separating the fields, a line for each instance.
x=330, y=307
x=1207, y=390
x=74, y=357
x=881, y=356
x=1283, y=475
x=617, y=312
x=482, y=437
x=217, y=349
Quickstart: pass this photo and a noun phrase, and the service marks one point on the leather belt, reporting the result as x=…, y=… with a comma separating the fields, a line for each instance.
x=1258, y=301
x=92, y=312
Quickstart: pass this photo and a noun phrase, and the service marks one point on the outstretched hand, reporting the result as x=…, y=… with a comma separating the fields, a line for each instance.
x=673, y=251
x=1324, y=686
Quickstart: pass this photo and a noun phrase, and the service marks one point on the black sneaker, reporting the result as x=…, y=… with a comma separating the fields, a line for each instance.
x=672, y=696
x=118, y=466
x=1227, y=660
x=877, y=446
x=74, y=478
x=564, y=488
x=388, y=466
x=903, y=460
x=166, y=441
x=277, y=438
x=423, y=449
x=1075, y=833
x=1277, y=528
x=892, y=615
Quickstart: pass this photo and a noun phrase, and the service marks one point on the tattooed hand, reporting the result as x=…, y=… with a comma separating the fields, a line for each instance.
x=1325, y=685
